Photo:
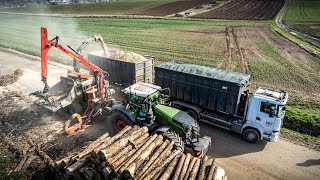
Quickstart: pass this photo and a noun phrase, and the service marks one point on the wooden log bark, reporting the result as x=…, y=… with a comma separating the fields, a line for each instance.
x=114, y=138
x=130, y=171
x=127, y=149
x=195, y=169
x=118, y=164
x=179, y=167
x=120, y=144
x=44, y=156
x=202, y=170
x=153, y=157
x=76, y=166
x=211, y=171
x=26, y=164
x=155, y=171
x=131, y=159
x=158, y=159
x=192, y=162
x=20, y=164
x=93, y=146
x=185, y=166
x=171, y=167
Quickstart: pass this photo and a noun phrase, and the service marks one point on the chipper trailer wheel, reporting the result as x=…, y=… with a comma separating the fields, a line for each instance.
x=119, y=121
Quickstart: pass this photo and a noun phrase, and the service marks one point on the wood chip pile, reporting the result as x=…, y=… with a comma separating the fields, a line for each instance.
x=134, y=154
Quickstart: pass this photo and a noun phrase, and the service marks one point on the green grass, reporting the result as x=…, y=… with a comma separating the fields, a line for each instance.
x=303, y=118
x=6, y=167
x=306, y=10
x=122, y=7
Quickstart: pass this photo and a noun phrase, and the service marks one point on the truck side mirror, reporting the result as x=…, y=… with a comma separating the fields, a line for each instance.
x=272, y=112
x=284, y=108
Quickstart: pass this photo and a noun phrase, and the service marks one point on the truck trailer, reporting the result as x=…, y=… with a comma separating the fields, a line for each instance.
x=221, y=98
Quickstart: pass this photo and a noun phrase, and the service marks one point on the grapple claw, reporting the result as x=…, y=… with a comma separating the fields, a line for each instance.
x=75, y=127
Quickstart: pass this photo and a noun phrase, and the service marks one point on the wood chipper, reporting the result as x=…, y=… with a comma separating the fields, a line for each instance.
x=77, y=91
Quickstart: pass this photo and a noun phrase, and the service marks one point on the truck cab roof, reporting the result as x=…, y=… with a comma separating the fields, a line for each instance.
x=277, y=96
x=141, y=89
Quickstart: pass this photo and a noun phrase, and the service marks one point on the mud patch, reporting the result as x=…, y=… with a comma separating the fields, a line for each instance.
x=5, y=80
x=33, y=135
x=300, y=140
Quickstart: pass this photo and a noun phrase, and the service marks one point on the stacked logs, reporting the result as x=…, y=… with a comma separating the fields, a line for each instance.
x=134, y=154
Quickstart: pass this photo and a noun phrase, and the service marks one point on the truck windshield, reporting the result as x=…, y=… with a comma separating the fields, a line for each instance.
x=281, y=111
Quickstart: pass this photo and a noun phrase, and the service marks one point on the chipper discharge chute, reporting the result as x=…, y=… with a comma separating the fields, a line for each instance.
x=77, y=91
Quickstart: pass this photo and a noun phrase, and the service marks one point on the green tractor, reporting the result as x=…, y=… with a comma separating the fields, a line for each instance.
x=144, y=105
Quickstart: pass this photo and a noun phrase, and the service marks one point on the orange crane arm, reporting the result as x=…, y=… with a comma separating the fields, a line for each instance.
x=46, y=44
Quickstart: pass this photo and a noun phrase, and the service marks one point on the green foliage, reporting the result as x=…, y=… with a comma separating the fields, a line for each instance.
x=307, y=10
x=303, y=118
x=105, y=8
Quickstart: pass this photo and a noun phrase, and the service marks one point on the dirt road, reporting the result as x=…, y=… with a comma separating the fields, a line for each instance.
x=280, y=160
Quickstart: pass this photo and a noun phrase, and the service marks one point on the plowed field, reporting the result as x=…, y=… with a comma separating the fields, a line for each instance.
x=172, y=8
x=246, y=10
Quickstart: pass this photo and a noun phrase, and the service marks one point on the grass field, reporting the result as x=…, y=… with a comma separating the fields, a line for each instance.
x=272, y=60
x=304, y=10
x=122, y=7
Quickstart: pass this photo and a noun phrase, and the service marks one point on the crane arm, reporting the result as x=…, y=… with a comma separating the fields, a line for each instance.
x=46, y=44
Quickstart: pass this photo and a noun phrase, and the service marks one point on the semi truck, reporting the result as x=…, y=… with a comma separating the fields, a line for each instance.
x=222, y=98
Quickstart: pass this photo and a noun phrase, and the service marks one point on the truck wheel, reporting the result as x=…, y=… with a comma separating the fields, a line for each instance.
x=119, y=120
x=250, y=135
x=172, y=136
x=193, y=114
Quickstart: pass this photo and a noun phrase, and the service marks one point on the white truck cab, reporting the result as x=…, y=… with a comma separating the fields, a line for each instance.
x=265, y=114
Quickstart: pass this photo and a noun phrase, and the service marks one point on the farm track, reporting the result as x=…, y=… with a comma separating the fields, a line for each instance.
x=241, y=60
x=245, y=10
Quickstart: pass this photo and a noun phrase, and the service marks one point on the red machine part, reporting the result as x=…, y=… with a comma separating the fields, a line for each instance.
x=46, y=44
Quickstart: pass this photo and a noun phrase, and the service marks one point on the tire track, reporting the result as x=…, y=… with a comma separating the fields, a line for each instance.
x=228, y=63
x=242, y=61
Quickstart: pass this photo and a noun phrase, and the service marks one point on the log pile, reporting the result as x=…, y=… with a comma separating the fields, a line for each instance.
x=134, y=154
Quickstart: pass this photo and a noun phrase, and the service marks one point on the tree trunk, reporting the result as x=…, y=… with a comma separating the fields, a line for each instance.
x=117, y=164
x=185, y=166
x=167, y=173
x=153, y=157
x=160, y=157
x=139, y=152
x=192, y=162
x=179, y=168
x=132, y=168
x=211, y=171
x=120, y=144
x=194, y=170
x=202, y=170
x=155, y=171
x=76, y=166
x=113, y=139
x=123, y=152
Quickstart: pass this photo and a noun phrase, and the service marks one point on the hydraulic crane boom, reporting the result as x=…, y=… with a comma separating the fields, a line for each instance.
x=46, y=44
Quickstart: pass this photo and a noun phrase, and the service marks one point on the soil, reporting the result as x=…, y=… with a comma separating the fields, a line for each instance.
x=300, y=140
x=172, y=8
x=11, y=78
x=245, y=10
x=25, y=127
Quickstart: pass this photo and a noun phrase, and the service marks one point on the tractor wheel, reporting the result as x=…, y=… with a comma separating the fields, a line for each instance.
x=172, y=136
x=119, y=120
x=75, y=107
x=250, y=135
